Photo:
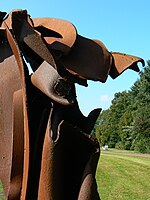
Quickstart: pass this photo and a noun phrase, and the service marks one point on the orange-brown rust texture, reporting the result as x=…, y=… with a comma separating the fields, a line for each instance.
x=46, y=148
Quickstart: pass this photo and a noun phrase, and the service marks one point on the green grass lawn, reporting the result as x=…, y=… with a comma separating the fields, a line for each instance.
x=123, y=177
x=2, y=197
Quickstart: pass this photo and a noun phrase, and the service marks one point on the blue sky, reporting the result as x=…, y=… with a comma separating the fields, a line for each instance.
x=123, y=26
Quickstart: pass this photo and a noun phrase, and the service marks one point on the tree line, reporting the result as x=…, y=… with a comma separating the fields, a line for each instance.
x=126, y=124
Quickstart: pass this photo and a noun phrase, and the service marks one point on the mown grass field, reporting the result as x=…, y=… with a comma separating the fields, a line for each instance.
x=2, y=197
x=123, y=175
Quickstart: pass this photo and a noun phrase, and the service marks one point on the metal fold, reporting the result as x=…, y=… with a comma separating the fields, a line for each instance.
x=47, y=150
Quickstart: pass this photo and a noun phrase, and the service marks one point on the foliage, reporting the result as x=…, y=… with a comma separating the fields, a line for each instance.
x=141, y=130
x=126, y=124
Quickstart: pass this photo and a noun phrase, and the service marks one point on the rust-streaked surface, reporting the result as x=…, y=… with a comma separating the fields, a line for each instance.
x=64, y=33
x=46, y=148
x=9, y=83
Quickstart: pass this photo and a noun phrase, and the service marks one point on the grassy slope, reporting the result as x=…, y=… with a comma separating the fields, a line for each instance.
x=123, y=177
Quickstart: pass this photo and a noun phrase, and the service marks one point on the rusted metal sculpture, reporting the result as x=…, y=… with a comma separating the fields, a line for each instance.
x=46, y=150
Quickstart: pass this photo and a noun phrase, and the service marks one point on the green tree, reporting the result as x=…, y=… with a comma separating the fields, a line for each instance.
x=126, y=123
x=141, y=112
x=103, y=128
x=141, y=130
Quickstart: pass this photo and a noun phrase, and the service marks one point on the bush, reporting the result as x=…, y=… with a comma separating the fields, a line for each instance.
x=142, y=145
x=119, y=145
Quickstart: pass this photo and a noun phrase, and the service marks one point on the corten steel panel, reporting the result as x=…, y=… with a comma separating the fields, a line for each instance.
x=46, y=147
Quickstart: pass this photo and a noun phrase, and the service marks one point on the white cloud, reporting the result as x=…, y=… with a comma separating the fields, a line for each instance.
x=105, y=98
